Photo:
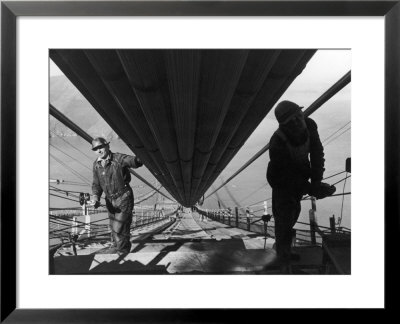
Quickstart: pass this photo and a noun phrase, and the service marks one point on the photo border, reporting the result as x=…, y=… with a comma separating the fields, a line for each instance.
x=11, y=10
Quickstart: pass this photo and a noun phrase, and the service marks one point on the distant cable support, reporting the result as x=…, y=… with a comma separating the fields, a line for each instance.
x=337, y=136
x=70, y=169
x=338, y=130
x=229, y=194
x=73, y=146
x=85, y=166
x=339, y=85
x=220, y=202
x=253, y=192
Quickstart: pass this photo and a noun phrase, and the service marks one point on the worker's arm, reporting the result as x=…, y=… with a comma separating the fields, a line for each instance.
x=278, y=165
x=282, y=172
x=96, y=187
x=130, y=161
x=316, y=152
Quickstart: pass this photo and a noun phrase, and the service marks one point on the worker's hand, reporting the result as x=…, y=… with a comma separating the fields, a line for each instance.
x=96, y=204
x=322, y=190
x=138, y=162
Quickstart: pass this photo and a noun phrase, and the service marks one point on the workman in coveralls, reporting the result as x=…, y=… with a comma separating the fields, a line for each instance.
x=296, y=156
x=111, y=176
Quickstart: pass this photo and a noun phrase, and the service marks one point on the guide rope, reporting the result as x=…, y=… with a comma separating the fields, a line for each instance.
x=73, y=146
x=79, y=162
x=71, y=170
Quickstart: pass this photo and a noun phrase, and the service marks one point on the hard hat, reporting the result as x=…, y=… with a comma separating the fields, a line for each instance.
x=285, y=110
x=98, y=141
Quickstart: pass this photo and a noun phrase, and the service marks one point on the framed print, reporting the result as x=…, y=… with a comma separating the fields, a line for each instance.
x=190, y=88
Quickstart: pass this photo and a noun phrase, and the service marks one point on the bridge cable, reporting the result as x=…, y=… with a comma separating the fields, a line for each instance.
x=338, y=130
x=338, y=136
x=252, y=193
x=85, y=166
x=73, y=146
x=71, y=170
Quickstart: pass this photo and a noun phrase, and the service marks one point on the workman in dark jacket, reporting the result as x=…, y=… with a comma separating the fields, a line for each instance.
x=296, y=156
x=111, y=175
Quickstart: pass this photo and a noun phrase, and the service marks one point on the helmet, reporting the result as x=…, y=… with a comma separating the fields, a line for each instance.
x=285, y=110
x=98, y=141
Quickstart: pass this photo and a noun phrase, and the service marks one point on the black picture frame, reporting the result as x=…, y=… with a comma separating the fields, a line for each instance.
x=11, y=10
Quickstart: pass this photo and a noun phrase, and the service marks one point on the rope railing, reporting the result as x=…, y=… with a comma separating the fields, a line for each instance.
x=334, y=195
x=68, y=192
x=72, y=194
x=96, y=230
x=65, y=182
x=63, y=197
x=255, y=223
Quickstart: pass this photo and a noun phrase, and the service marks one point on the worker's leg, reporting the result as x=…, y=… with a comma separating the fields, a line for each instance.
x=111, y=217
x=122, y=221
x=286, y=209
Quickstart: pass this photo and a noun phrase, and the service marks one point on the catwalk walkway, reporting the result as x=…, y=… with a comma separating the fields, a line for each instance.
x=191, y=245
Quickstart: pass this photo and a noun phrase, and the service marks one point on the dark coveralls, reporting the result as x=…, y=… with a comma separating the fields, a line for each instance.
x=289, y=171
x=113, y=179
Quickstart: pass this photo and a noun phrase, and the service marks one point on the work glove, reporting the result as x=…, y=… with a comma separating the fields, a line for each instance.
x=138, y=162
x=96, y=204
x=313, y=187
x=321, y=190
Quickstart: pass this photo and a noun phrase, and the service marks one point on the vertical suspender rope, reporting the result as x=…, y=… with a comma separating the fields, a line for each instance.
x=339, y=85
x=66, y=121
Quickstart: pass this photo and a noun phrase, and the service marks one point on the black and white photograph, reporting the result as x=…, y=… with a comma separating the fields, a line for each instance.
x=200, y=161
x=193, y=161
